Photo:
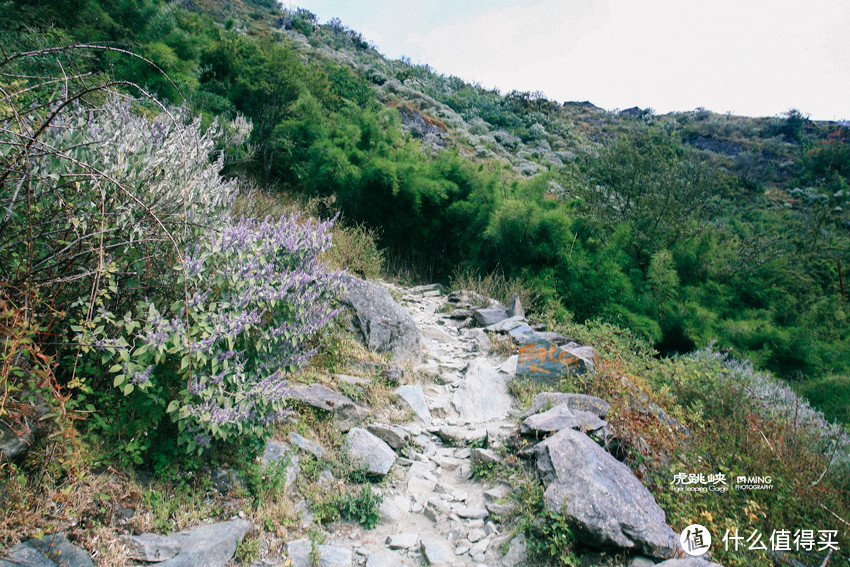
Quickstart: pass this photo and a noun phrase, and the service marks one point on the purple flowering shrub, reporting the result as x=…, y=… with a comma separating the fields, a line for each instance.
x=216, y=362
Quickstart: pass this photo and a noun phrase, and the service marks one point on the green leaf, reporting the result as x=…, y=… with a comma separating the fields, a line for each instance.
x=128, y=389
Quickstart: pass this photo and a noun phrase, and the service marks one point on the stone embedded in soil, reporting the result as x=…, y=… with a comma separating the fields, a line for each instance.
x=329, y=555
x=392, y=435
x=307, y=445
x=149, y=547
x=415, y=398
x=437, y=553
x=402, y=541
x=373, y=454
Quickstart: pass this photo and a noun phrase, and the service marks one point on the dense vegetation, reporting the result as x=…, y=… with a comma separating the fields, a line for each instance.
x=681, y=231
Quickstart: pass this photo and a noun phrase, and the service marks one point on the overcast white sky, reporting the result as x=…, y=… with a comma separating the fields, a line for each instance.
x=750, y=57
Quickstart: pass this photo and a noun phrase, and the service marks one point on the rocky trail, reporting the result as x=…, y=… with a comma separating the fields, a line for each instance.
x=459, y=416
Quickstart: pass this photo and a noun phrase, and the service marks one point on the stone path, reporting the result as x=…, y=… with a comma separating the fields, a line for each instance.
x=434, y=509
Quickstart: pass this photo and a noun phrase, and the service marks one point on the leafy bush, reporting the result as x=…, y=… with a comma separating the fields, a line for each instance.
x=256, y=293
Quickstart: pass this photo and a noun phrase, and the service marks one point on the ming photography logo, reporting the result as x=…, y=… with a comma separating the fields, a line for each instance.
x=716, y=482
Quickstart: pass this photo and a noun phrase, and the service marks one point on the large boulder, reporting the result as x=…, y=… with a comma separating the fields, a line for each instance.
x=48, y=551
x=482, y=395
x=347, y=414
x=489, y=315
x=21, y=427
x=610, y=507
x=541, y=361
x=368, y=450
x=380, y=323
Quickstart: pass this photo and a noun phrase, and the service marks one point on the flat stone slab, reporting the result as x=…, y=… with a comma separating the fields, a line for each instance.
x=212, y=546
x=482, y=395
x=329, y=555
x=437, y=552
x=558, y=418
x=150, y=547
x=50, y=551
x=375, y=455
x=402, y=541
x=347, y=414
x=578, y=402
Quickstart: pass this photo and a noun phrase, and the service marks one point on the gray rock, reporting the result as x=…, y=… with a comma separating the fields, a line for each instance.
x=375, y=455
x=517, y=553
x=507, y=325
x=210, y=546
x=543, y=362
x=475, y=535
x=353, y=380
x=585, y=353
x=225, y=479
x=480, y=340
x=402, y=541
x=150, y=547
x=347, y=414
x=555, y=338
x=501, y=510
x=382, y=559
x=688, y=562
x=482, y=395
x=276, y=452
x=437, y=553
x=392, y=435
x=460, y=314
x=436, y=334
x=497, y=492
x=610, y=507
x=50, y=551
x=515, y=308
x=578, y=402
x=642, y=561
x=307, y=445
x=390, y=513
x=558, y=418
x=484, y=457
x=489, y=315
x=20, y=430
x=412, y=394
x=459, y=436
x=326, y=478
x=384, y=326
x=441, y=406
x=471, y=513
x=329, y=555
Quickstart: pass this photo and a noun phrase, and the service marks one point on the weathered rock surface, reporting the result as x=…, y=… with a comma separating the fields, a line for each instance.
x=487, y=316
x=19, y=430
x=347, y=414
x=415, y=398
x=437, y=553
x=579, y=402
x=50, y=551
x=210, y=546
x=375, y=455
x=558, y=418
x=542, y=361
x=150, y=547
x=329, y=555
x=601, y=495
x=384, y=326
x=482, y=395
x=392, y=435
x=307, y=445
